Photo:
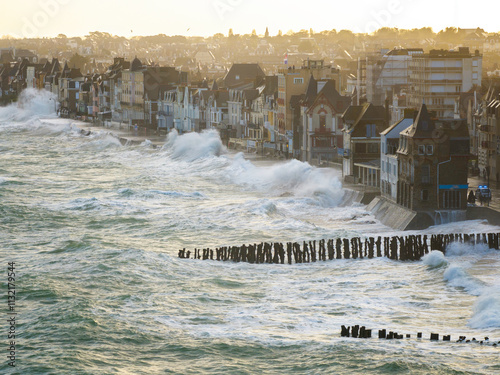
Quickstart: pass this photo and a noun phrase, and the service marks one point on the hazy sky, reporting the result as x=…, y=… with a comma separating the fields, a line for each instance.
x=207, y=17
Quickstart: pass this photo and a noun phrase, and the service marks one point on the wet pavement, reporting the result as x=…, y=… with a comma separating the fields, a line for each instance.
x=474, y=182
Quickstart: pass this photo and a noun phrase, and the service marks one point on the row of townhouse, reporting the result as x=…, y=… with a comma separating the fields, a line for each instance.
x=419, y=163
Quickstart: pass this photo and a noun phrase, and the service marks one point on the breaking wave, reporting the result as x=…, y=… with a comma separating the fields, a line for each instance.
x=293, y=178
x=435, y=259
x=486, y=311
x=464, y=266
x=32, y=103
x=194, y=146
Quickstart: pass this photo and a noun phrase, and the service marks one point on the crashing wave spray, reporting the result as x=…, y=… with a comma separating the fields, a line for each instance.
x=292, y=178
x=31, y=103
x=458, y=261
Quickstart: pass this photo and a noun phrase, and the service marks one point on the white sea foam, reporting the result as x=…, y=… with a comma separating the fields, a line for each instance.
x=487, y=309
x=31, y=103
x=292, y=178
x=193, y=146
x=435, y=259
x=459, y=249
x=458, y=276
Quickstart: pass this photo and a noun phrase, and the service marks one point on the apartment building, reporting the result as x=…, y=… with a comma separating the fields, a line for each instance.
x=386, y=73
x=439, y=77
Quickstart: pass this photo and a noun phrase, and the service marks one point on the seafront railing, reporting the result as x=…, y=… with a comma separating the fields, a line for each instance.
x=403, y=248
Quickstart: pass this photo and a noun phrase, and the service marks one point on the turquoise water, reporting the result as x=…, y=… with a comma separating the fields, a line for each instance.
x=94, y=228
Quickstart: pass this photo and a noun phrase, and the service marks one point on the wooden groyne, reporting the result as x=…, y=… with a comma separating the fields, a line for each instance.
x=363, y=333
x=403, y=248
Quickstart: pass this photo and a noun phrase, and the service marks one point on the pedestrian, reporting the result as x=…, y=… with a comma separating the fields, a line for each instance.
x=472, y=198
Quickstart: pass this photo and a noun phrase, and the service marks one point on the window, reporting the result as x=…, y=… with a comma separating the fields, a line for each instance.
x=430, y=149
x=421, y=149
x=298, y=81
x=322, y=122
x=426, y=174
x=424, y=195
x=360, y=148
x=373, y=148
x=371, y=131
x=451, y=199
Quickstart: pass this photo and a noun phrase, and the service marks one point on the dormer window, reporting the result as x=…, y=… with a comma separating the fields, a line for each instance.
x=237, y=78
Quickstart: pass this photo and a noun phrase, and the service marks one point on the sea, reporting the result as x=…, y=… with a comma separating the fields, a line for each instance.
x=94, y=228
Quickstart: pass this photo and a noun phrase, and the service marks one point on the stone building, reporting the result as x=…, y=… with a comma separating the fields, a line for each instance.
x=433, y=155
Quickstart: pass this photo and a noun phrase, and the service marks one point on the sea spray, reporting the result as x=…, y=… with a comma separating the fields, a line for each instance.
x=282, y=179
x=31, y=103
x=193, y=146
x=486, y=310
x=435, y=259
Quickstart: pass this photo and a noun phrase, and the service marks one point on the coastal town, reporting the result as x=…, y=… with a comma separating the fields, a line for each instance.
x=409, y=116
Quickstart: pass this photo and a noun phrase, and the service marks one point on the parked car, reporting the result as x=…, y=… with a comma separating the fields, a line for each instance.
x=483, y=194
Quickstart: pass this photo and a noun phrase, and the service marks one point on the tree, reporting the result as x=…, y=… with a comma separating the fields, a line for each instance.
x=78, y=61
x=230, y=34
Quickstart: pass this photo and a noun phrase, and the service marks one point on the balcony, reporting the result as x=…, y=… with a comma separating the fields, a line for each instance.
x=323, y=131
x=487, y=129
x=488, y=146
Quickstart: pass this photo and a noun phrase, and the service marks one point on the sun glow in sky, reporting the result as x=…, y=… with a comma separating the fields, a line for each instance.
x=206, y=17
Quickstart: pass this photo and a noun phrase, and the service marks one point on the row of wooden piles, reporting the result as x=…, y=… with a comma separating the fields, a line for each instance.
x=404, y=248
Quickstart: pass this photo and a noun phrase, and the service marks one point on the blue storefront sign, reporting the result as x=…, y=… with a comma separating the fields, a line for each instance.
x=453, y=187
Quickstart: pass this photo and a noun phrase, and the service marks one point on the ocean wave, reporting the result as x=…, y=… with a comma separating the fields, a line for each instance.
x=486, y=312
x=194, y=146
x=176, y=194
x=31, y=103
x=458, y=276
x=435, y=259
x=296, y=178
x=457, y=249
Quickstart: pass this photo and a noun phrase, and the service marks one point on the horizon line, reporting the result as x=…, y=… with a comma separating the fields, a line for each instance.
x=10, y=37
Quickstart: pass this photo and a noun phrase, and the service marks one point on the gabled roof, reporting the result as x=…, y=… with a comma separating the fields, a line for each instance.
x=423, y=126
x=241, y=73
x=136, y=65
x=271, y=85
x=395, y=129
x=311, y=91
x=250, y=94
x=367, y=112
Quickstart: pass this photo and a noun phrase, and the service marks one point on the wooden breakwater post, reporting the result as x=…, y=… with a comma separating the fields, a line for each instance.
x=402, y=248
x=362, y=332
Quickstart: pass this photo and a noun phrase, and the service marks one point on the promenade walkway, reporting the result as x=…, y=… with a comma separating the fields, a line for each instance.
x=474, y=182
x=125, y=134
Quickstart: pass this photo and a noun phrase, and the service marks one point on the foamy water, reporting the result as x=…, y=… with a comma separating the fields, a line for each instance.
x=95, y=228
